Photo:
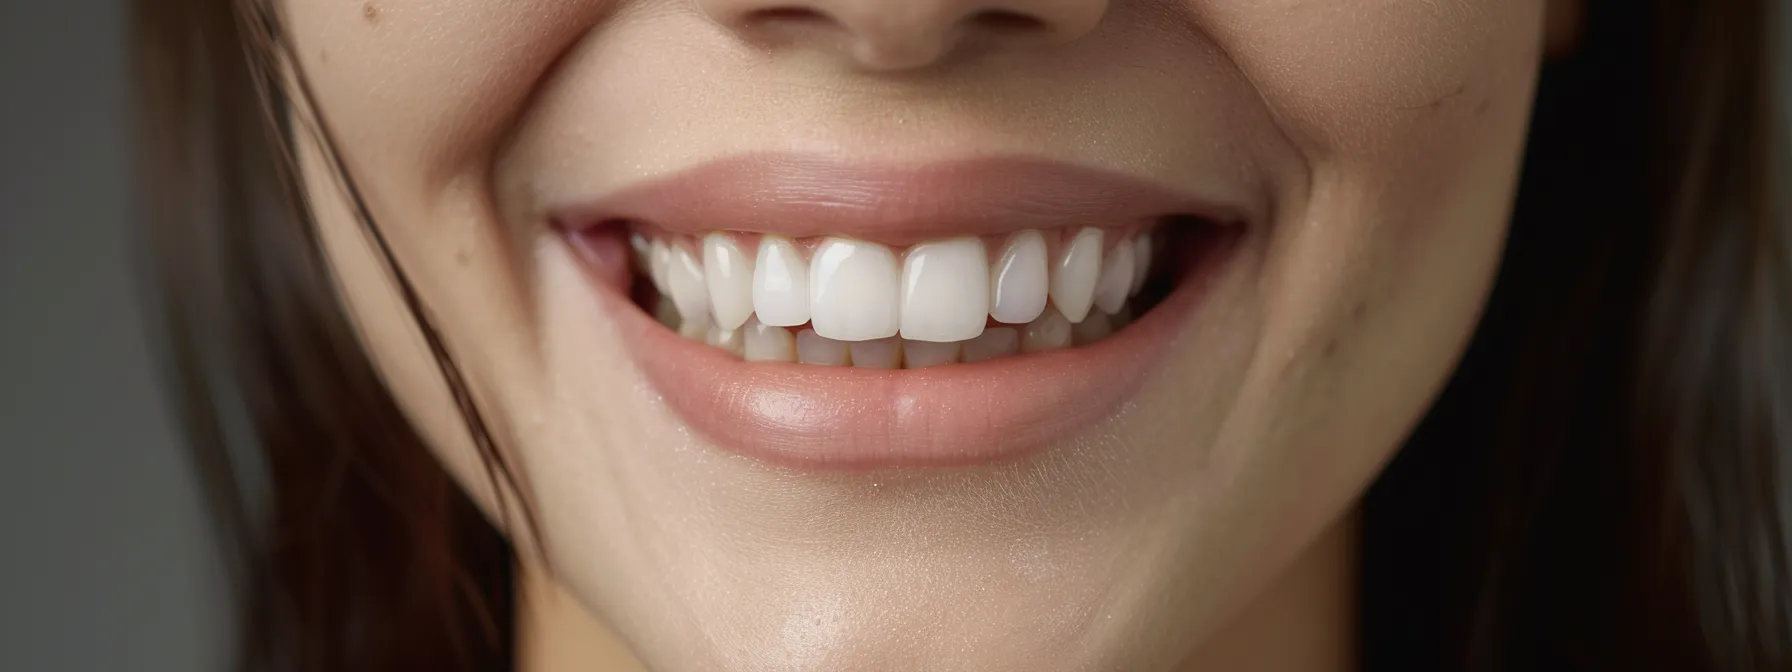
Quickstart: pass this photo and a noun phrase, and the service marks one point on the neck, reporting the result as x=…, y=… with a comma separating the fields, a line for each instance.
x=1304, y=620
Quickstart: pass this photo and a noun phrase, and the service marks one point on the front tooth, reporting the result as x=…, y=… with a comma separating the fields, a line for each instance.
x=943, y=291
x=1073, y=281
x=1050, y=332
x=780, y=283
x=643, y=250
x=659, y=260
x=1141, y=262
x=852, y=291
x=730, y=280
x=766, y=343
x=685, y=279
x=1116, y=278
x=919, y=354
x=1092, y=329
x=813, y=348
x=883, y=353
x=995, y=342
x=1018, y=287
x=726, y=339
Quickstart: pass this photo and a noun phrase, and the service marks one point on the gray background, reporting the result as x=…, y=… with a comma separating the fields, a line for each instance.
x=105, y=564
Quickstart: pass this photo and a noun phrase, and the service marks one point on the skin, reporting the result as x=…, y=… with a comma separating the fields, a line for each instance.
x=1208, y=523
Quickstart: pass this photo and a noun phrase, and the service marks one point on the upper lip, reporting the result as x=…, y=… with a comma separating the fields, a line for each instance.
x=799, y=195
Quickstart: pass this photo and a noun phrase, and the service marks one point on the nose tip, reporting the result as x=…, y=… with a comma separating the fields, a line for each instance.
x=891, y=35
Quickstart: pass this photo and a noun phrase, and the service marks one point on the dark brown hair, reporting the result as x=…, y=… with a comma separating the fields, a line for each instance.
x=1603, y=485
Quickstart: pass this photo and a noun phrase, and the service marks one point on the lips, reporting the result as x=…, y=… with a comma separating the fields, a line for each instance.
x=842, y=316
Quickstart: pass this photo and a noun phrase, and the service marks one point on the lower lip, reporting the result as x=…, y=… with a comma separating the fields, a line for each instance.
x=818, y=418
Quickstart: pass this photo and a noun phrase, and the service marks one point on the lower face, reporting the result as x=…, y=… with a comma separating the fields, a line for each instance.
x=1048, y=349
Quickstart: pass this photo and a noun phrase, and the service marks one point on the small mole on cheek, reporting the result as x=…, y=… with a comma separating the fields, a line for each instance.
x=370, y=12
x=461, y=257
x=1485, y=104
x=1356, y=314
x=323, y=56
x=1331, y=348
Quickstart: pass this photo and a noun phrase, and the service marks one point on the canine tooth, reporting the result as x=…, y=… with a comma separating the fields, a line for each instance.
x=1050, y=332
x=918, y=354
x=995, y=342
x=643, y=251
x=780, y=283
x=1092, y=329
x=726, y=339
x=943, y=295
x=883, y=353
x=1116, y=278
x=853, y=291
x=766, y=343
x=685, y=279
x=729, y=273
x=813, y=348
x=660, y=260
x=1018, y=286
x=1073, y=280
x=1141, y=262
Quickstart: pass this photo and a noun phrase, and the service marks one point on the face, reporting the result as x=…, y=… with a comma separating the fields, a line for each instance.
x=1015, y=334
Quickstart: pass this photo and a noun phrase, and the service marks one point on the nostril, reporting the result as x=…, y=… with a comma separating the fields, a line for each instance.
x=1005, y=21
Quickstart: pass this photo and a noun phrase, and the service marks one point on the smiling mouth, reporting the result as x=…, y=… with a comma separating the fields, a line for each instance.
x=827, y=315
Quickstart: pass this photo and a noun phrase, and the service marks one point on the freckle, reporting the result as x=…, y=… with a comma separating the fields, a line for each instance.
x=370, y=12
x=1357, y=312
x=461, y=257
x=323, y=56
x=1485, y=104
x=1331, y=348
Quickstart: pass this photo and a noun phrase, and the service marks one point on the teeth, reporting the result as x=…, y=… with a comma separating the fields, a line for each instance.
x=685, y=281
x=920, y=354
x=1141, y=262
x=812, y=348
x=852, y=303
x=780, y=283
x=1073, y=281
x=1092, y=329
x=853, y=291
x=726, y=339
x=995, y=342
x=883, y=353
x=1050, y=332
x=764, y=343
x=660, y=257
x=936, y=305
x=1017, y=286
x=730, y=281
x=1116, y=278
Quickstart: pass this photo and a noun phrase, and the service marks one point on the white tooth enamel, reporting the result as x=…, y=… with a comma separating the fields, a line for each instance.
x=643, y=250
x=852, y=291
x=1116, y=278
x=660, y=260
x=684, y=278
x=729, y=274
x=919, y=354
x=1141, y=262
x=1073, y=280
x=1092, y=329
x=943, y=297
x=883, y=353
x=995, y=342
x=780, y=283
x=1018, y=286
x=695, y=328
x=765, y=343
x=1050, y=332
x=812, y=348
x=726, y=339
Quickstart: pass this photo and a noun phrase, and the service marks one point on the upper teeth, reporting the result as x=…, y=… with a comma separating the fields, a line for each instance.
x=851, y=290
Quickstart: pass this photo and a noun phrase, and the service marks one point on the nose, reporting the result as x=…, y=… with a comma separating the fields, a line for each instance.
x=889, y=35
